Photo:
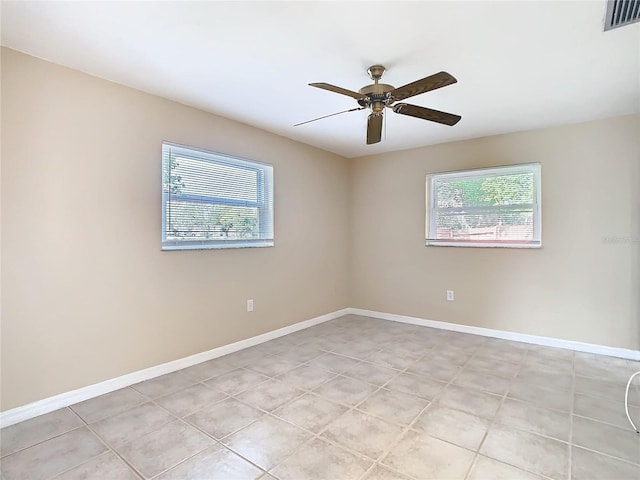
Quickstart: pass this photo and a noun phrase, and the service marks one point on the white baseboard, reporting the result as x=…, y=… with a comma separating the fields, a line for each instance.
x=25, y=412
x=518, y=337
x=46, y=405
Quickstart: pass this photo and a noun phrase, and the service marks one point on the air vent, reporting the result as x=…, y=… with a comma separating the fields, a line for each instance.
x=621, y=13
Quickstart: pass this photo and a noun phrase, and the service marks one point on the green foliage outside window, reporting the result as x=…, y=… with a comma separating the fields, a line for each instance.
x=468, y=197
x=204, y=221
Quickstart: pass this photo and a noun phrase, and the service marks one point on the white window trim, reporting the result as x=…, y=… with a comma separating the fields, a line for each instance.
x=265, y=192
x=430, y=223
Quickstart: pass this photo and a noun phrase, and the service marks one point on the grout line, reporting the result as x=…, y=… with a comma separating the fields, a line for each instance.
x=608, y=455
x=492, y=421
x=45, y=439
x=85, y=425
x=222, y=445
x=110, y=447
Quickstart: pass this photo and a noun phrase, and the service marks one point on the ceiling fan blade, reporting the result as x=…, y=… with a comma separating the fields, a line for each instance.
x=331, y=115
x=438, y=80
x=374, y=128
x=426, y=113
x=340, y=90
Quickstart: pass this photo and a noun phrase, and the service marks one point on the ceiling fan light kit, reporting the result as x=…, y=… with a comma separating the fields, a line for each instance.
x=377, y=96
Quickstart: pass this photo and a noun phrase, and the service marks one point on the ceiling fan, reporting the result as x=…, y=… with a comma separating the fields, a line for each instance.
x=379, y=95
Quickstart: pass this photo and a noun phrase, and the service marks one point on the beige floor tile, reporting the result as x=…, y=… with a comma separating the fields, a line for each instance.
x=36, y=430
x=414, y=348
x=133, y=423
x=163, y=385
x=602, y=366
x=491, y=366
x=301, y=353
x=606, y=388
x=363, y=433
x=224, y=417
x=108, y=405
x=489, y=469
x=463, y=340
x=267, y=441
x=454, y=426
x=371, y=373
x=236, y=381
x=310, y=412
x=393, y=406
x=427, y=367
x=269, y=395
x=215, y=463
x=105, y=467
x=273, y=347
x=272, y=366
x=556, y=399
x=587, y=465
x=320, y=460
x=614, y=441
x=306, y=377
x=325, y=343
x=505, y=345
x=528, y=451
x=346, y=390
x=422, y=387
x=510, y=355
x=245, y=356
x=164, y=448
x=481, y=381
x=553, y=353
x=477, y=403
x=526, y=416
x=357, y=351
x=533, y=364
x=191, y=399
x=560, y=364
x=427, y=458
x=453, y=355
x=390, y=359
x=333, y=363
x=53, y=456
x=605, y=410
x=383, y=473
x=206, y=370
x=547, y=378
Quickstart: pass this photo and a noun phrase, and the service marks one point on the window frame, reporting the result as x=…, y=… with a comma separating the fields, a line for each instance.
x=430, y=217
x=264, y=203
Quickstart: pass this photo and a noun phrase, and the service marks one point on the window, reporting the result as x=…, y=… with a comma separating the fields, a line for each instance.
x=489, y=207
x=211, y=200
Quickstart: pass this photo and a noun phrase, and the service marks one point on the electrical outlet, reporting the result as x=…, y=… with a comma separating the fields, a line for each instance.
x=450, y=296
x=250, y=305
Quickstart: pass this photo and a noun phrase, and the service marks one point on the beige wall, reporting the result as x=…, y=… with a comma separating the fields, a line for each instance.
x=87, y=295
x=576, y=287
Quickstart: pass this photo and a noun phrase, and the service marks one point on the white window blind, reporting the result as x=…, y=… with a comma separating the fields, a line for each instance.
x=211, y=200
x=490, y=207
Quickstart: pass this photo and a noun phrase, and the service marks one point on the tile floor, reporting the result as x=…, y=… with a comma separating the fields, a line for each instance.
x=354, y=398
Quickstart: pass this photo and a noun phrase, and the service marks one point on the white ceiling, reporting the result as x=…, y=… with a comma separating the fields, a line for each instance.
x=519, y=65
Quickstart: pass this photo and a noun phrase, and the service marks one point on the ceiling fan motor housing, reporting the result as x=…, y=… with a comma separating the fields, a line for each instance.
x=377, y=96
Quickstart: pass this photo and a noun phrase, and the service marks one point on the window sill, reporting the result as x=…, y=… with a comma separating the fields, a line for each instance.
x=218, y=246
x=444, y=243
